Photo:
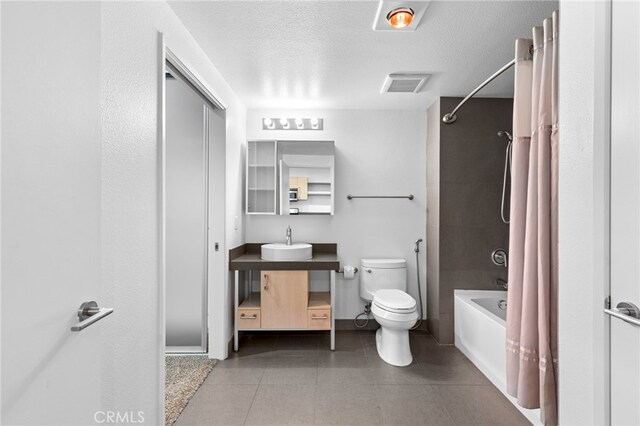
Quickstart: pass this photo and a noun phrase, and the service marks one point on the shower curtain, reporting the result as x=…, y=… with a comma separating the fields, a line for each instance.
x=532, y=332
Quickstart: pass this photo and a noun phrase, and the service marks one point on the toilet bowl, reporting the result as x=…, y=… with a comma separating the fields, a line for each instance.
x=382, y=282
x=396, y=312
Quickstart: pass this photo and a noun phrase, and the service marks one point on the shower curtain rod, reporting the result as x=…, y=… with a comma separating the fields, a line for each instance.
x=452, y=117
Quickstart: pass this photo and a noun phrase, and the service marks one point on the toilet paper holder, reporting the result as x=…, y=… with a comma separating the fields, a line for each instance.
x=341, y=270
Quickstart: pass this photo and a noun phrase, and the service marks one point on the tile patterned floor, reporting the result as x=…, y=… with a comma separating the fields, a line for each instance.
x=292, y=378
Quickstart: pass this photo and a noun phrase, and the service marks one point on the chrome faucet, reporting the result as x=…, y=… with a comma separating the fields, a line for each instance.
x=288, y=235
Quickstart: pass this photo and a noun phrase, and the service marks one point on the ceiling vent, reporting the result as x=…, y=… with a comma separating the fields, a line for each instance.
x=404, y=83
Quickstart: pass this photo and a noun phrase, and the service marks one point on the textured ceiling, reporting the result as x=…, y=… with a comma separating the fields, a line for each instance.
x=324, y=54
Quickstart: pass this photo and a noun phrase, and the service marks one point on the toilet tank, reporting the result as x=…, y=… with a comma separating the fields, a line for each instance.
x=378, y=274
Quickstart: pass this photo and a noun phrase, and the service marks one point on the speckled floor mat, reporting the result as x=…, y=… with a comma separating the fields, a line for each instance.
x=184, y=375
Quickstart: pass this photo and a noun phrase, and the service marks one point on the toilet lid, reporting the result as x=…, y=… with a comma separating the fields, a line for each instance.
x=394, y=301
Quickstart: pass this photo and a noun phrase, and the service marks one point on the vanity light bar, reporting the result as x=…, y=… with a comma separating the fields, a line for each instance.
x=283, y=123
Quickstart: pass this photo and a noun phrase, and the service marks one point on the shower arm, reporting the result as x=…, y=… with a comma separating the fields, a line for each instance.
x=451, y=117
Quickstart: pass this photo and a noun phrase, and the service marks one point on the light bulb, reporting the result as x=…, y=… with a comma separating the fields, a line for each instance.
x=268, y=122
x=284, y=123
x=400, y=18
x=299, y=123
x=314, y=122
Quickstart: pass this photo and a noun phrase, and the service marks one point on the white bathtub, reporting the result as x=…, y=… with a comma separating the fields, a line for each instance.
x=480, y=333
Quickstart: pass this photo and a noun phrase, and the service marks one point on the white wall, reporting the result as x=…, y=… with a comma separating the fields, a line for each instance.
x=377, y=153
x=218, y=260
x=130, y=81
x=107, y=57
x=235, y=218
x=583, y=212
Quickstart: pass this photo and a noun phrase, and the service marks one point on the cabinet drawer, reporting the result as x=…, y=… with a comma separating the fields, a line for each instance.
x=319, y=319
x=248, y=318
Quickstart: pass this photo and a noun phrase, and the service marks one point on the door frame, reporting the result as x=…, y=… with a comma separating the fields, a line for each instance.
x=601, y=168
x=215, y=301
x=602, y=209
x=602, y=215
x=584, y=211
x=176, y=68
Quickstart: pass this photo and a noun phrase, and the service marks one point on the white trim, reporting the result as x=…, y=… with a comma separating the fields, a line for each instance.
x=0, y=215
x=584, y=97
x=204, y=336
x=602, y=210
x=162, y=246
x=191, y=78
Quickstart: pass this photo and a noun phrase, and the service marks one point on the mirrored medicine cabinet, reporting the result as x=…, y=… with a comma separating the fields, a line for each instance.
x=288, y=177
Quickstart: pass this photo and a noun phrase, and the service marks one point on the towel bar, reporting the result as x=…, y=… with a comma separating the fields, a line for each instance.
x=351, y=197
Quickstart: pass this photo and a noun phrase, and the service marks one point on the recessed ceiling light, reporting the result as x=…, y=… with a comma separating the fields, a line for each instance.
x=400, y=18
x=400, y=15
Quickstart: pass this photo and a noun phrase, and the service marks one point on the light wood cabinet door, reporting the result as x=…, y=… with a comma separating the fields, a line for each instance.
x=301, y=183
x=284, y=299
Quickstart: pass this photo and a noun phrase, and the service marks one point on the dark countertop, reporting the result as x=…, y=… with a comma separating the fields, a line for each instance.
x=247, y=257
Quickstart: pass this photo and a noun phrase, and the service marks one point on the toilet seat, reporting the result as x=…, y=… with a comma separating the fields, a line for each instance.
x=394, y=301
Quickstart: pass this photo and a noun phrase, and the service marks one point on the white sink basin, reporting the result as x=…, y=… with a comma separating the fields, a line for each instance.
x=283, y=252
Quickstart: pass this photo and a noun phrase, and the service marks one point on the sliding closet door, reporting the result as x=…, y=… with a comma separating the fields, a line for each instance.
x=186, y=218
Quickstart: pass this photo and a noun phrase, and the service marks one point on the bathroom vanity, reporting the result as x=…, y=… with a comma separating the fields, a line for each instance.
x=284, y=300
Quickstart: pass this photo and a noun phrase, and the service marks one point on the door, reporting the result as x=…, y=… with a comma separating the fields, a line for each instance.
x=284, y=297
x=625, y=209
x=51, y=216
x=186, y=189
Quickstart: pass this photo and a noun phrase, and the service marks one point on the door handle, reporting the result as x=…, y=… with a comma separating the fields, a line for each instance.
x=626, y=311
x=89, y=313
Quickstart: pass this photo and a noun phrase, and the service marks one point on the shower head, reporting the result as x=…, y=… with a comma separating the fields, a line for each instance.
x=502, y=133
x=417, y=248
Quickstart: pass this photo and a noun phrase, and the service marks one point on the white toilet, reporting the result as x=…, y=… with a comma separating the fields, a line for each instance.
x=383, y=282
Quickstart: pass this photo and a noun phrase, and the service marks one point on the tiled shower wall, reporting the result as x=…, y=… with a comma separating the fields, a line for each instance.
x=465, y=166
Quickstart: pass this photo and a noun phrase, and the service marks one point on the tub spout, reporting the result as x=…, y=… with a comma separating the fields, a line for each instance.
x=502, y=283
